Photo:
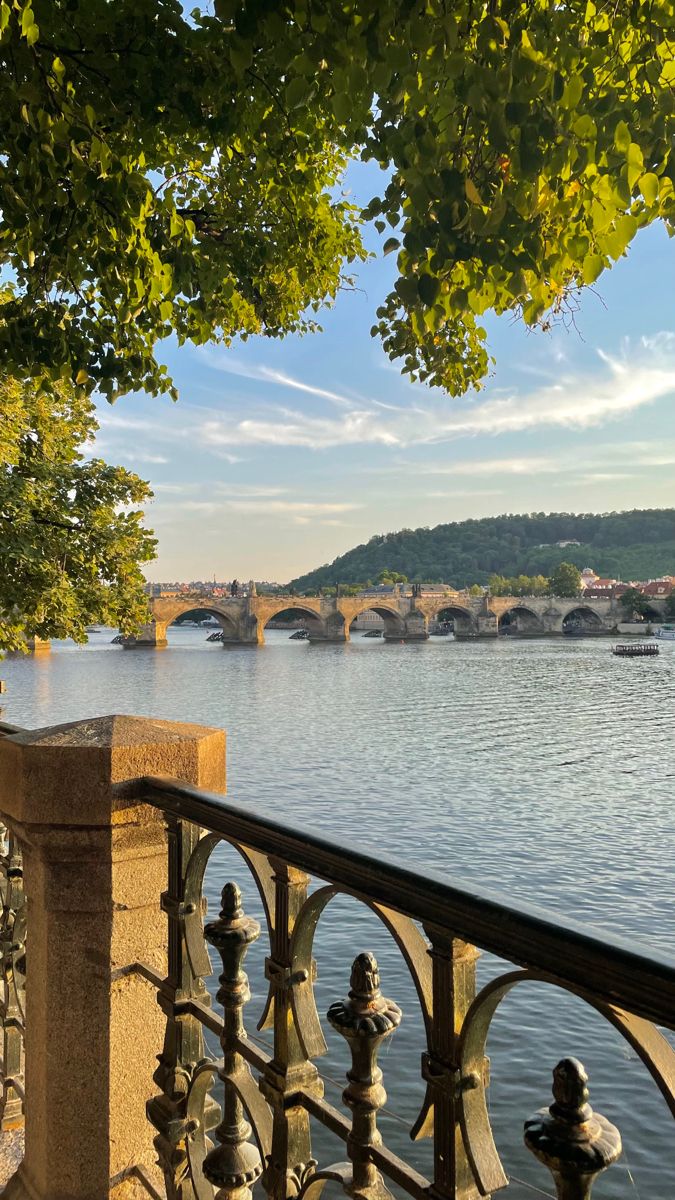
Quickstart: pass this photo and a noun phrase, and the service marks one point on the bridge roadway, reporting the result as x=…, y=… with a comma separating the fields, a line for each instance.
x=406, y=618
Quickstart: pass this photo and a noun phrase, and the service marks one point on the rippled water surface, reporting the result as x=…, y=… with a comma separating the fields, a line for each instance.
x=541, y=769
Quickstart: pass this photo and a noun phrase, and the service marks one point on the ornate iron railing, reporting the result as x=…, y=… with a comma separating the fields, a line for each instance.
x=12, y=974
x=263, y=1131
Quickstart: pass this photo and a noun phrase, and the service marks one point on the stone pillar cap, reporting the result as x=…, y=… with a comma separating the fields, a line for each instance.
x=64, y=774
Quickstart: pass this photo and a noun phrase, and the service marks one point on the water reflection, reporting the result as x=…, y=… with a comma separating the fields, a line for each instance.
x=540, y=769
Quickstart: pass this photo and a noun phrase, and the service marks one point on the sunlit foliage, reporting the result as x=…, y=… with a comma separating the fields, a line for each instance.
x=161, y=173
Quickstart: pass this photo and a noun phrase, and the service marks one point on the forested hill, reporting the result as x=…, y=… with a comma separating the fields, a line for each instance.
x=626, y=545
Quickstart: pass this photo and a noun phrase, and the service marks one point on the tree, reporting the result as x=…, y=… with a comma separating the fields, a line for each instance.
x=565, y=581
x=670, y=607
x=498, y=585
x=634, y=603
x=390, y=577
x=170, y=174
x=475, y=590
x=71, y=539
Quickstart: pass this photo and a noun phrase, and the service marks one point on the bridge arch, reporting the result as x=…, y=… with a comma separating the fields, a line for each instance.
x=394, y=625
x=227, y=623
x=462, y=619
x=581, y=620
x=520, y=620
x=312, y=622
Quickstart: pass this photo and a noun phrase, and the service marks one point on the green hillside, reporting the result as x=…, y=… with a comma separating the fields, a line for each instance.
x=639, y=544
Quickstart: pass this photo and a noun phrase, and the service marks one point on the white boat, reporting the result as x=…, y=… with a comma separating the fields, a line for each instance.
x=666, y=633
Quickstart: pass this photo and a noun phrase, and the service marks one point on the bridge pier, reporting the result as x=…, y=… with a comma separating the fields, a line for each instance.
x=416, y=627
x=149, y=637
x=487, y=625
x=329, y=631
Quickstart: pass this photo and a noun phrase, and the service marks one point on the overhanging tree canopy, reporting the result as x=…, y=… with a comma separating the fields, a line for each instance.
x=163, y=174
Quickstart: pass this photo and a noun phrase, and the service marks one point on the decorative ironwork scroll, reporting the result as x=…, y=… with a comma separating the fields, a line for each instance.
x=184, y=1040
x=13, y=980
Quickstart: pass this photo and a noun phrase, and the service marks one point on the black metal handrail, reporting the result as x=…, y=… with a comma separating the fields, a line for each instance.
x=632, y=976
x=7, y=730
x=437, y=923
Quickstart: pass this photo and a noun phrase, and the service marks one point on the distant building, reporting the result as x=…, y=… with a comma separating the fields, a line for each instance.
x=380, y=589
x=657, y=587
x=431, y=589
x=570, y=542
x=368, y=620
x=605, y=589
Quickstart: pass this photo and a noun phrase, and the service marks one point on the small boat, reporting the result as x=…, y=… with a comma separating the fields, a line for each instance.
x=636, y=650
x=666, y=633
x=373, y=633
x=300, y=635
x=215, y=637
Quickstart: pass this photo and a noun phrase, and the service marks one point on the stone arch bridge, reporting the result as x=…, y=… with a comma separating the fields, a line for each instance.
x=406, y=618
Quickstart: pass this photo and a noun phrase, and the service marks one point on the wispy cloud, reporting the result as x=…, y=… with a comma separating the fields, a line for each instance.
x=606, y=476
x=621, y=385
x=606, y=463
x=150, y=459
x=295, y=507
x=464, y=493
x=225, y=362
x=527, y=465
x=252, y=504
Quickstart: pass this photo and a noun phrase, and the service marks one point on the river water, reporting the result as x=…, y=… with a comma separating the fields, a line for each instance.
x=541, y=769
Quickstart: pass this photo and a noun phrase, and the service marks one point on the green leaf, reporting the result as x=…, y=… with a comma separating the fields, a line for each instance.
x=585, y=128
x=649, y=187
x=635, y=164
x=391, y=243
x=616, y=241
x=241, y=56
x=472, y=193
x=573, y=92
x=622, y=138
x=428, y=287
x=342, y=106
x=27, y=19
x=297, y=92
x=592, y=266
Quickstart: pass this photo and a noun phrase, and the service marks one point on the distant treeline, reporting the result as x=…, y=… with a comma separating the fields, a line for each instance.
x=639, y=544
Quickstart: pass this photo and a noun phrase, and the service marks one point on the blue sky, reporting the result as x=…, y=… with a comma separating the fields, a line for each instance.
x=281, y=455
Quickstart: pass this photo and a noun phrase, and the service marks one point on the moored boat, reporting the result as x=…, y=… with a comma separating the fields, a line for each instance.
x=666, y=633
x=636, y=650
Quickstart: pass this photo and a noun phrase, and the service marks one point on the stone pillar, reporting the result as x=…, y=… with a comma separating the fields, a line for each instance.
x=95, y=865
x=416, y=626
x=487, y=625
x=329, y=629
x=37, y=645
x=149, y=637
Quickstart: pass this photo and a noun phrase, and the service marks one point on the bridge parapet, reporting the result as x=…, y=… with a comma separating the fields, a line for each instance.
x=243, y=619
